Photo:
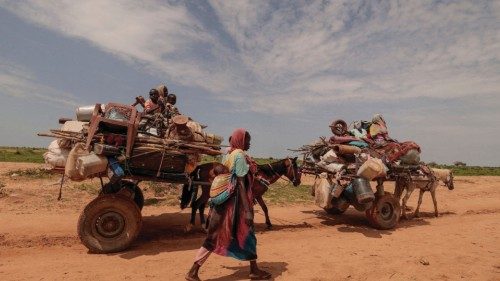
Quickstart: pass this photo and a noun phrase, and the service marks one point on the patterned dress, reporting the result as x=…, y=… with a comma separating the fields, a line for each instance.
x=228, y=232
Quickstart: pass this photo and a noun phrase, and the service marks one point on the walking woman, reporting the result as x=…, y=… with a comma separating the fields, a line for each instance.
x=231, y=229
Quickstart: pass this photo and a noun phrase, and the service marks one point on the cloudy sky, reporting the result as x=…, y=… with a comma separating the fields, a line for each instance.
x=282, y=69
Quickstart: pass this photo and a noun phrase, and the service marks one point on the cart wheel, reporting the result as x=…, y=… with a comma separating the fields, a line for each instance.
x=109, y=223
x=138, y=195
x=338, y=208
x=385, y=212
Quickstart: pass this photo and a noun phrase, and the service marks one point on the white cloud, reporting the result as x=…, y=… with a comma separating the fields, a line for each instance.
x=287, y=55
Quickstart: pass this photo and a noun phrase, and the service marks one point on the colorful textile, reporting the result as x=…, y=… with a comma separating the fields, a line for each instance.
x=237, y=139
x=220, y=184
x=149, y=104
x=360, y=144
x=237, y=160
x=359, y=133
x=220, y=198
x=393, y=150
x=342, y=139
x=228, y=232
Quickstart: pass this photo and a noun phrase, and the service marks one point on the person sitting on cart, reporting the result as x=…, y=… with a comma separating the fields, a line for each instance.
x=154, y=104
x=170, y=109
x=162, y=90
x=342, y=136
x=378, y=130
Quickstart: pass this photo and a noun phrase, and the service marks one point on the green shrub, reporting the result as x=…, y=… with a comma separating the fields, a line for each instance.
x=280, y=193
x=472, y=170
x=22, y=154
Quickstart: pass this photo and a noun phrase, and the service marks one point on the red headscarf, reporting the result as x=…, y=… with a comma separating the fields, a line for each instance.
x=237, y=139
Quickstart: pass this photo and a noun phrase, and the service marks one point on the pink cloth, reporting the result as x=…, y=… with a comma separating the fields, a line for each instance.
x=149, y=104
x=237, y=139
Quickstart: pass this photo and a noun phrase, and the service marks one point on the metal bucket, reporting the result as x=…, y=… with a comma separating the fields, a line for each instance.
x=349, y=195
x=362, y=190
x=84, y=113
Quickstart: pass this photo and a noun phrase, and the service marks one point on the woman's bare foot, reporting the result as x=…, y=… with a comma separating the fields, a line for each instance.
x=192, y=275
x=256, y=273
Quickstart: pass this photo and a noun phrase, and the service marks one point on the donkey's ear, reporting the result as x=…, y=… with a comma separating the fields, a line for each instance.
x=295, y=159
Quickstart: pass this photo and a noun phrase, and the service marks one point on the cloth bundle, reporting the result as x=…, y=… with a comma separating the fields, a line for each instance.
x=221, y=189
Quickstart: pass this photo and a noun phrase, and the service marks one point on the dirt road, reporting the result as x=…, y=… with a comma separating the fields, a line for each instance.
x=38, y=240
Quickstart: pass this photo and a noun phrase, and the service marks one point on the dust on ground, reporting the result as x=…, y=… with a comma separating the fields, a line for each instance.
x=38, y=238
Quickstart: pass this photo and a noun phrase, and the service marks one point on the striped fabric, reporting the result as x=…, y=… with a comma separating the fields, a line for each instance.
x=220, y=184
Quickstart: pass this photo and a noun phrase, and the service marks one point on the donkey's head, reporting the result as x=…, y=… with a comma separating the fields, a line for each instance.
x=292, y=171
x=186, y=195
x=444, y=175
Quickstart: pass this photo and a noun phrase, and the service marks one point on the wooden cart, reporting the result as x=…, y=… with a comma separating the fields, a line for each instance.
x=112, y=221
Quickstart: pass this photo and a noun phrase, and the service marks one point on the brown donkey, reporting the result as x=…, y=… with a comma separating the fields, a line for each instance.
x=266, y=174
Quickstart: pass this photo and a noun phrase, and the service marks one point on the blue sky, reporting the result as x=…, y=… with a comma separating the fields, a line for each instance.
x=282, y=69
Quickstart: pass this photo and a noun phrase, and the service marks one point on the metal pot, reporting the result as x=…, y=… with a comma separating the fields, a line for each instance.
x=362, y=190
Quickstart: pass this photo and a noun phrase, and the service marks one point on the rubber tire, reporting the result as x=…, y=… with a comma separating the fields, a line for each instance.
x=387, y=204
x=103, y=204
x=138, y=195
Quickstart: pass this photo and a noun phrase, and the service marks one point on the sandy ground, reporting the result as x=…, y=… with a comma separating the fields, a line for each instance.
x=38, y=240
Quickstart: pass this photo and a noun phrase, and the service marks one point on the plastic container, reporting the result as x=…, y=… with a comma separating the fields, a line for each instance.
x=115, y=166
x=91, y=164
x=70, y=169
x=323, y=192
x=362, y=190
x=372, y=168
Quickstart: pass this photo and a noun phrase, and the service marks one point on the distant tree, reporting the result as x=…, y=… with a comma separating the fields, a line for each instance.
x=432, y=164
x=459, y=164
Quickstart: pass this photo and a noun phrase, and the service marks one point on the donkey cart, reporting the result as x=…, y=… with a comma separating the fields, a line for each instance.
x=118, y=142
x=343, y=176
x=382, y=208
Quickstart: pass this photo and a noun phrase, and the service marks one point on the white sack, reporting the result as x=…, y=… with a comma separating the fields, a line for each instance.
x=56, y=156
